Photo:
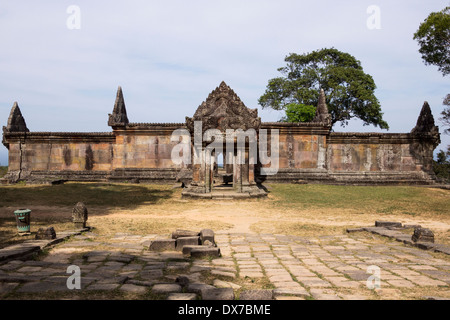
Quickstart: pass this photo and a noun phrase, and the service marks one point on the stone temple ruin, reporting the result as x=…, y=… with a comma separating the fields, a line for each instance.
x=141, y=152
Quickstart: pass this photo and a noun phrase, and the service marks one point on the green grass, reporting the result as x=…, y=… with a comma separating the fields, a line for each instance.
x=380, y=199
x=91, y=194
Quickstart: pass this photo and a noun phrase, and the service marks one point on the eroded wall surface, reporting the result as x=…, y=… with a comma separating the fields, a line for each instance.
x=136, y=154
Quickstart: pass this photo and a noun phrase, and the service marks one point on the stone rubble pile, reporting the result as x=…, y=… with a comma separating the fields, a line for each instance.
x=195, y=244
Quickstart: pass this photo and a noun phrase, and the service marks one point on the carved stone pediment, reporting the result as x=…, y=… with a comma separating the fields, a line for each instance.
x=222, y=110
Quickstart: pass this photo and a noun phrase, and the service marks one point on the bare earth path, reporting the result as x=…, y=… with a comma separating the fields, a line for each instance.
x=289, y=251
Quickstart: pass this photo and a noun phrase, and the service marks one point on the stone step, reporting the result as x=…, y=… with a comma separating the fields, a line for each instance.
x=201, y=251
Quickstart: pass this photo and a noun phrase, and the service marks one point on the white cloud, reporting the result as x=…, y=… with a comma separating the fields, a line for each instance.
x=169, y=55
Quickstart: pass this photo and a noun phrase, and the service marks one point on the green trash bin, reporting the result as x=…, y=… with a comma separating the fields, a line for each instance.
x=23, y=220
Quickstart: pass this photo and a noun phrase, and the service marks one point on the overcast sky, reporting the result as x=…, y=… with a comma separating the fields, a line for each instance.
x=169, y=55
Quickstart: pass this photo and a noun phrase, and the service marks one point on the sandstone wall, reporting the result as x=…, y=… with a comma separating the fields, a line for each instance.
x=143, y=151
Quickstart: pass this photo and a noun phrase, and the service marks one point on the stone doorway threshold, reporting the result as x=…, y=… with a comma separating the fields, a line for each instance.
x=226, y=192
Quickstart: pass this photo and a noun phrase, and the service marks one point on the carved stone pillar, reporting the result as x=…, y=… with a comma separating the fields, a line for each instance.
x=237, y=170
x=208, y=169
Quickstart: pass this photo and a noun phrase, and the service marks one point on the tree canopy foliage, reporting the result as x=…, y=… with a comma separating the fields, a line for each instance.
x=433, y=37
x=348, y=89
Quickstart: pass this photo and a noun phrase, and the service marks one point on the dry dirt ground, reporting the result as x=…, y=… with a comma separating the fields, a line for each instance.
x=288, y=210
x=268, y=215
x=225, y=215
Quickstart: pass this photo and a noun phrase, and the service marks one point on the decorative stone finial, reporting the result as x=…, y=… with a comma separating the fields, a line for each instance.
x=322, y=114
x=16, y=122
x=222, y=110
x=425, y=122
x=80, y=215
x=119, y=115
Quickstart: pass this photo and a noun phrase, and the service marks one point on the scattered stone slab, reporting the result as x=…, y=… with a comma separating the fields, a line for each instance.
x=164, y=288
x=422, y=238
x=29, y=248
x=299, y=292
x=183, y=281
x=162, y=245
x=188, y=248
x=186, y=241
x=121, y=257
x=118, y=279
x=225, y=284
x=7, y=287
x=388, y=224
x=132, y=288
x=204, y=252
x=46, y=234
x=182, y=296
x=42, y=286
x=218, y=294
x=425, y=245
x=435, y=298
x=184, y=233
x=207, y=235
x=442, y=249
x=256, y=295
x=18, y=251
x=198, y=287
x=411, y=226
x=27, y=269
x=223, y=274
x=103, y=286
x=406, y=239
x=351, y=230
x=151, y=274
x=423, y=235
x=141, y=283
x=288, y=298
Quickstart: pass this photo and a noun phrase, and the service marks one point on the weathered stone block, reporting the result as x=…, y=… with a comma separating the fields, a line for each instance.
x=351, y=230
x=388, y=224
x=299, y=292
x=184, y=233
x=162, y=245
x=183, y=281
x=188, y=248
x=223, y=273
x=182, y=296
x=423, y=235
x=186, y=241
x=207, y=234
x=218, y=294
x=46, y=234
x=225, y=284
x=256, y=295
x=411, y=226
x=198, y=287
x=80, y=215
x=166, y=288
x=203, y=252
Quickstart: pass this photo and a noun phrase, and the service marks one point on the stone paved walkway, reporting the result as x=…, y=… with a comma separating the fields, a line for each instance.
x=252, y=266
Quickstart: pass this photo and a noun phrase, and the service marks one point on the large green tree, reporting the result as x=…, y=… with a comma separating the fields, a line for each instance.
x=433, y=37
x=349, y=91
